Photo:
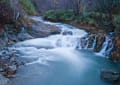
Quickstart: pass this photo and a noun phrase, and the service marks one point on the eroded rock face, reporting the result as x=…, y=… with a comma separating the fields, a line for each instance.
x=116, y=53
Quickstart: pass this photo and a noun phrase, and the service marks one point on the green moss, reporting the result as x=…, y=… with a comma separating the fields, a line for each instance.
x=28, y=6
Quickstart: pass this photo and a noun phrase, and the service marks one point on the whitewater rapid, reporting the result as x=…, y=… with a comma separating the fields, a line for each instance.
x=64, y=44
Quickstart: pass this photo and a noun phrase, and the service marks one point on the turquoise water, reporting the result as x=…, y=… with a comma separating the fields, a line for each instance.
x=58, y=62
x=65, y=72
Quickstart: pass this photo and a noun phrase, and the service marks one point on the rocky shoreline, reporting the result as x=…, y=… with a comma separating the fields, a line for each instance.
x=9, y=64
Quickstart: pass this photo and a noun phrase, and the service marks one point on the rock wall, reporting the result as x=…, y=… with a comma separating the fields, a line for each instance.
x=116, y=53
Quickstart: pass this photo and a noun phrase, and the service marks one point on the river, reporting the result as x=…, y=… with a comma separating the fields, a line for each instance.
x=57, y=60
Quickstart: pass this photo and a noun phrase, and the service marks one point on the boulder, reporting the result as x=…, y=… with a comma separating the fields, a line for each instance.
x=110, y=76
x=43, y=30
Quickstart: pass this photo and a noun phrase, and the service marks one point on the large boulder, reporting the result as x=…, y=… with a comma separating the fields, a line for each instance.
x=43, y=30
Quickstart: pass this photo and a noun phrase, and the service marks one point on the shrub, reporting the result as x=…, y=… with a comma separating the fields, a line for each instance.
x=59, y=15
x=117, y=23
x=50, y=15
x=117, y=20
x=28, y=6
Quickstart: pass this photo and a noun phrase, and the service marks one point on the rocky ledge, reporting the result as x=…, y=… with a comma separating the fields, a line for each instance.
x=9, y=63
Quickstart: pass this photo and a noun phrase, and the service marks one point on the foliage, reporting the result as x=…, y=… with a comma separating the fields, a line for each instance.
x=117, y=23
x=59, y=15
x=5, y=2
x=98, y=19
x=117, y=20
x=28, y=6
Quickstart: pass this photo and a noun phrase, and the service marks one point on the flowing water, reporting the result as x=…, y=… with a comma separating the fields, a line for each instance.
x=59, y=60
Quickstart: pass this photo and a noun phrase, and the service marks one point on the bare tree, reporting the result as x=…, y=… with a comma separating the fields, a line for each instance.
x=107, y=6
x=76, y=4
x=55, y=4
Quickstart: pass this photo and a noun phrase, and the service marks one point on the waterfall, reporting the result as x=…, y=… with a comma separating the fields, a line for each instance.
x=104, y=46
x=94, y=43
x=107, y=46
x=17, y=16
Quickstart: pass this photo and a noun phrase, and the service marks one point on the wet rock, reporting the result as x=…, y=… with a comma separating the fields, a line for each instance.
x=43, y=30
x=24, y=36
x=9, y=62
x=100, y=41
x=110, y=76
x=3, y=80
x=67, y=33
x=10, y=71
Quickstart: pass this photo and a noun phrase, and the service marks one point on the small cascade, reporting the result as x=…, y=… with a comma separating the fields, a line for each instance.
x=107, y=46
x=104, y=46
x=17, y=16
x=94, y=43
x=23, y=30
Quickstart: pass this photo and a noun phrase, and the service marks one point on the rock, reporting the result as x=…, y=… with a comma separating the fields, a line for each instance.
x=23, y=35
x=11, y=71
x=43, y=30
x=67, y=33
x=3, y=80
x=10, y=63
x=110, y=76
x=116, y=53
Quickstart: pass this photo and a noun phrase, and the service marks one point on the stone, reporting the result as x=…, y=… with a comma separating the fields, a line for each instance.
x=10, y=71
x=110, y=76
x=24, y=36
x=67, y=33
x=43, y=30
